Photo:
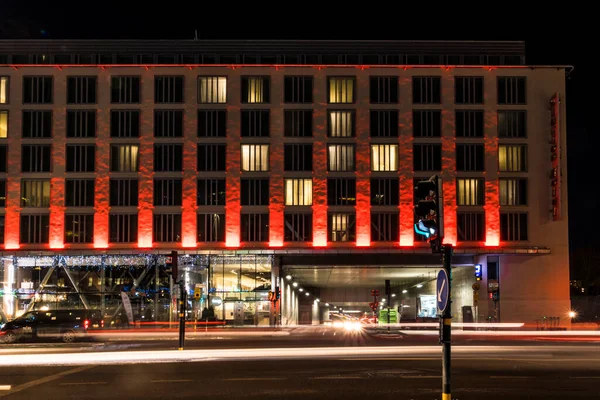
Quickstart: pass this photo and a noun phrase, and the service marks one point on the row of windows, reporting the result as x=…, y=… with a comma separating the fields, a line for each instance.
x=257, y=123
x=257, y=89
x=123, y=228
x=254, y=192
x=255, y=157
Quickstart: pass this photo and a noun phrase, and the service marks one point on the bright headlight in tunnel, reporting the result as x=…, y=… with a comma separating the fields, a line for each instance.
x=352, y=326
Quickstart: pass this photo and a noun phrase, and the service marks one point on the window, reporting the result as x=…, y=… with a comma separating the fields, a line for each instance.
x=341, y=157
x=211, y=157
x=298, y=227
x=298, y=192
x=212, y=123
x=470, y=191
x=125, y=123
x=255, y=89
x=341, y=90
x=427, y=157
x=384, y=157
x=79, y=193
x=342, y=227
x=123, y=228
x=470, y=226
x=255, y=192
x=166, y=228
x=469, y=123
x=512, y=124
x=513, y=192
x=298, y=89
x=35, y=193
x=255, y=123
x=167, y=192
x=79, y=228
x=297, y=157
x=168, y=123
x=427, y=123
x=470, y=157
x=123, y=192
x=3, y=124
x=37, y=89
x=385, y=192
x=2, y=226
x=255, y=157
x=384, y=226
x=427, y=89
x=341, y=191
x=341, y=124
x=512, y=90
x=2, y=192
x=124, y=158
x=298, y=123
x=81, y=158
x=512, y=158
x=4, y=85
x=384, y=123
x=212, y=89
x=35, y=229
x=211, y=227
x=211, y=192
x=168, y=157
x=384, y=89
x=36, y=158
x=125, y=89
x=513, y=227
x=255, y=227
x=4, y=158
x=81, y=123
x=81, y=89
x=168, y=89
x=468, y=89
x=37, y=124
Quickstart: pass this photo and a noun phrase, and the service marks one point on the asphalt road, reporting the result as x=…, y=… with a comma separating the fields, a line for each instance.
x=493, y=372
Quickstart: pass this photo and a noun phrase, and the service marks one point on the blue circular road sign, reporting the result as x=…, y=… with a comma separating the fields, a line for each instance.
x=441, y=291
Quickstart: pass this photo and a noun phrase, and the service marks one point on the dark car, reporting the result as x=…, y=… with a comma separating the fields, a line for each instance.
x=66, y=325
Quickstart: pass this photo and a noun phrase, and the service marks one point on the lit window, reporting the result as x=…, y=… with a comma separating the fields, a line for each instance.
x=3, y=89
x=513, y=192
x=298, y=192
x=384, y=157
x=35, y=193
x=255, y=89
x=3, y=124
x=212, y=89
x=469, y=192
x=341, y=157
x=341, y=90
x=341, y=123
x=512, y=158
x=342, y=227
x=255, y=157
x=124, y=158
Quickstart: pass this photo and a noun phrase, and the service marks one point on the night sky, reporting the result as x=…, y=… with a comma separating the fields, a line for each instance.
x=548, y=36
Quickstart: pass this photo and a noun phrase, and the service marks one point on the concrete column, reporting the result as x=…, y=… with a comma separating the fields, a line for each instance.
x=275, y=309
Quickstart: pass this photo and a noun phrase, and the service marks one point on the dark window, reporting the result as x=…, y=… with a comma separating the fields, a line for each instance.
x=4, y=158
x=2, y=192
x=211, y=157
x=385, y=192
x=2, y=226
x=81, y=123
x=427, y=123
x=211, y=192
x=341, y=191
x=123, y=192
x=37, y=124
x=36, y=158
x=79, y=228
x=123, y=228
x=168, y=123
x=79, y=193
x=35, y=229
x=384, y=227
x=384, y=123
x=81, y=89
x=166, y=228
x=384, y=89
x=37, y=89
x=255, y=227
x=512, y=90
x=512, y=124
x=427, y=90
x=470, y=157
x=513, y=227
x=342, y=227
x=125, y=89
x=125, y=123
x=298, y=89
x=168, y=157
x=255, y=192
x=298, y=227
x=167, y=192
x=255, y=123
x=297, y=157
x=255, y=89
x=470, y=226
x=469, y=123
x=211, y=227
x=81, y=158
x=468, y=89
x=427, y=157
x=298, y=123
x=168, y=89
x=212, y=123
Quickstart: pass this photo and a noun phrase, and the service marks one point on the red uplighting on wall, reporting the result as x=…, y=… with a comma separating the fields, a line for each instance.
x=492, y=190
x=276, y=189
x=146, y=185
x=363, y=173
x=102, y=188
x=232, y=181
x=57, y=213
x=189, y=218
x=319, y=208
x=405, y=148
x=11, y=218
x=449, y=171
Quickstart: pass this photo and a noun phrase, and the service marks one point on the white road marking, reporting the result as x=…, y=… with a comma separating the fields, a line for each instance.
x=254, y=379
x=81, y=383
x=510, y=377
x=421, y=376
x=46, y=379
x=171, y=380
x=336, y=377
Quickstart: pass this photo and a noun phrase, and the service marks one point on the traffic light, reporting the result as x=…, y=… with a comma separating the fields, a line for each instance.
x=388, y=289
x=429, y=209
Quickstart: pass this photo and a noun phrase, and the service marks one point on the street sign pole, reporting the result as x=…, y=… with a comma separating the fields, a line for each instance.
x=444, y=290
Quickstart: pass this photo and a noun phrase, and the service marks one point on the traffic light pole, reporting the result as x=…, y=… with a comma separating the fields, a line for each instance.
x=182, y=301
x=446, y=325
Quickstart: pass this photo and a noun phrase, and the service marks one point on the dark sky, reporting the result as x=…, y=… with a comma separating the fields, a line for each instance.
x=553, y=36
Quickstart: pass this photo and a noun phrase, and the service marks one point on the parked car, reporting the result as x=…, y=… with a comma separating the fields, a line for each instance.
x=66, y=325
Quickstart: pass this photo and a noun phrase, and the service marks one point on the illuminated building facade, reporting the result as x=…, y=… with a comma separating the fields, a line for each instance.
x=259, y=160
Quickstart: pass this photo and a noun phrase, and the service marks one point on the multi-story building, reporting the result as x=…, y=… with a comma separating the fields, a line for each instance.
x=286, y=164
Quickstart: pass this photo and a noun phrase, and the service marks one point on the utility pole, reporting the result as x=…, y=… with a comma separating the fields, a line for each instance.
x=446, y=322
